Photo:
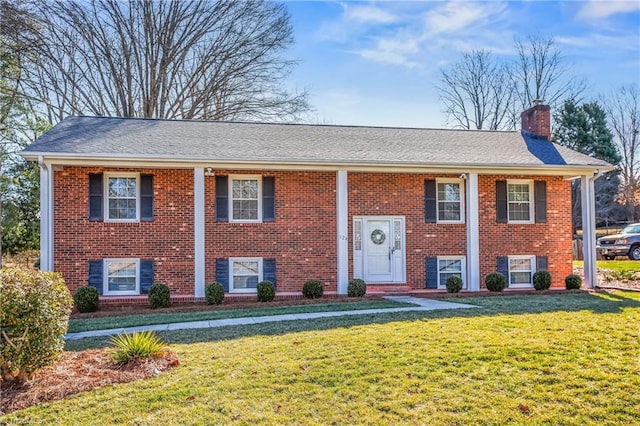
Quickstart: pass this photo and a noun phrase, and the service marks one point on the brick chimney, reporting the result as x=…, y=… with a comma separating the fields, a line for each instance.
x=537, y=120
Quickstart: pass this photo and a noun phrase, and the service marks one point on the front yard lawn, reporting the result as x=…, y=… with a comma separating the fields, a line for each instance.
x=538, y=359
x=613, y=265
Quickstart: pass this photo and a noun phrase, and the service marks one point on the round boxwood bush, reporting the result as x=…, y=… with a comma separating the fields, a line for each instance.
x=313, y=289
x=86, y=299
x=542, y=280
x=573, y=282
x=34, y=318
x=356, y=288
x=159, y=296
x=495, y=281
x=454, y=284
x=214, y=293
x=266, y=291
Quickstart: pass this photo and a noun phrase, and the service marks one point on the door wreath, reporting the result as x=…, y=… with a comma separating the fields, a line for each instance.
x=378, y=236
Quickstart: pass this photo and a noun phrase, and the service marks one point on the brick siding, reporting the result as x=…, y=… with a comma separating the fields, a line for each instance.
x=303, y=237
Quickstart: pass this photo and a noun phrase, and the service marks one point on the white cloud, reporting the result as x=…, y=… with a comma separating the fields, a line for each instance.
x=456, y=16
x=599, y=9
x=368, y=14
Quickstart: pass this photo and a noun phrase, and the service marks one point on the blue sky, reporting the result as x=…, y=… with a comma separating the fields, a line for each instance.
x=376, y=63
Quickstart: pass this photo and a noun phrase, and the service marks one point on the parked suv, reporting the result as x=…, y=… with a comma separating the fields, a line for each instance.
x=626, y=243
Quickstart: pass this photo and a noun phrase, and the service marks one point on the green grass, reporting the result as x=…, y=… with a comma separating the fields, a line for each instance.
x=101, y=323
x=613, y=265
x=570, y=359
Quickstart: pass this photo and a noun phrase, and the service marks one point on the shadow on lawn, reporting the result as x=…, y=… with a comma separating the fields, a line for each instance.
x=599, y=303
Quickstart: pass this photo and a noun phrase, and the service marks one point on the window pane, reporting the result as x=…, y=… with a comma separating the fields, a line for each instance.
x=449, y=211
x=454, y=265
x=122, y=284
x=245, y=188
x=122, y=187
x=520, y=277
x=122, y=269
x=245, y=199
x=243, y=282
x=520, y=265
x=245, y=209
x=122, y=208
x=519, y=211
x=245, y=268
x=449, y=191
x=449, y=202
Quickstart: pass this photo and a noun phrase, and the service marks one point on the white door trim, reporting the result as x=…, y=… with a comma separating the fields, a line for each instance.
x=398, y=255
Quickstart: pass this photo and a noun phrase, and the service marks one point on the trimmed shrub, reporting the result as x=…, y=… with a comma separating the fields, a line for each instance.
x=454, y=284
x=356, y=288
x=495, y=281
x=266, y=291
x=313, y=289
x=143, y=344
x=34, y=318
x=86, y=299
x=159, y=296
x=214, y=293
x=542, y=280
x=573, y=282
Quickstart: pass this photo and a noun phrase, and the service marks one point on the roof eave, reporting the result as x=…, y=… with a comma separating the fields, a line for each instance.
x=144, y=160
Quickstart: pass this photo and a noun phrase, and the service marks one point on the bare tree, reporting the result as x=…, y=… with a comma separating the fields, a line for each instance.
x=184, y=59
x=476, y=92
x=481, y=92
x=623, y=112
x=541, y=73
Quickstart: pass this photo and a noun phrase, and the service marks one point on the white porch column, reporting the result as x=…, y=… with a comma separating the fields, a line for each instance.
x=473, y=233
x=589, y=229
x=46, y=216
x=198, y=228
x=342, y=225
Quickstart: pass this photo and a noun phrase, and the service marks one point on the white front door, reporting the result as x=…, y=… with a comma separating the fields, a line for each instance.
x=379, y=249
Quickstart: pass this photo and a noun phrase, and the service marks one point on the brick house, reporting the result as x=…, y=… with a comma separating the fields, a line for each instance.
x=128, y=202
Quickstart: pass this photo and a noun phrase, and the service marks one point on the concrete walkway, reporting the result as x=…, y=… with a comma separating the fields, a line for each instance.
x=421, y=305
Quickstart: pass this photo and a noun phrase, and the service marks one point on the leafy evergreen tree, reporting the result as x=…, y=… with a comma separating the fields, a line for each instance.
x=583, y=128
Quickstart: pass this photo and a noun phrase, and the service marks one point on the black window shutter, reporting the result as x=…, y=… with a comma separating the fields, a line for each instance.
x=146, y=198
x=431, y=271
x=222, y=198
x=146, y=275
x=222, y=273
x=268, y=199
x=96, y=206
x=501, y=201
x=269, y=270
x=430, y=201
x=542, y=263
x=540, y=197
x=95, y=275
x=503, y=267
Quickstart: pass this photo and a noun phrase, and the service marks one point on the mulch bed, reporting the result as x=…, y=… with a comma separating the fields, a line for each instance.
x=76, y=372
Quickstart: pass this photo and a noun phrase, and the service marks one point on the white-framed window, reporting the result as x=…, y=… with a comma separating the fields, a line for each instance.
x=449, y=266
x=122, y=200
x=520, y=201
x=450, y=200
x=245, y=198
x=521, y=269
x=245, y=274
x=121, y=276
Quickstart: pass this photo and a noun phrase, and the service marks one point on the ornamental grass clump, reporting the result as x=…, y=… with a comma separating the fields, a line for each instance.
x=34, y=318
x=495, y=281
x=542, y=280
x=214, y=293
x=86, y=299
x=313, y=289
x=573, y=282
x=159, y=296
x=356, y=288
x=454, y=284
x=141, y=344
x=266, y=291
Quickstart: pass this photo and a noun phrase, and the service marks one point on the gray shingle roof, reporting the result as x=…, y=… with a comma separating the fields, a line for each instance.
x=131, y=138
